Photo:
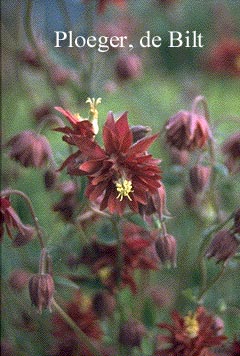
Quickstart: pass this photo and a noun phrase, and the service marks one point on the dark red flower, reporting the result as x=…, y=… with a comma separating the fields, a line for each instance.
x=30, y=149
x=194, y=334
x=123, y=173
x=138, y=252
x=231, y=149
x=10, y=219
x=81, y=312
x=225, y=57
x=187, y=131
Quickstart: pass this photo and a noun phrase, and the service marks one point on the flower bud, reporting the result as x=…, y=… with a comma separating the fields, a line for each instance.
x=24, y=236
x=41, y=290
x=237, y=222
x=131, y=333
x=41, y=111
x=166, y=248
x=50, y=178
x=6, y=348
x=18, y=279
x=223, y=246
x=199, y=177
x=128, y=67
x=190, y=198
x=139, y=132
x=30, y=149
x=187, y=131
x=104, y=304
x=156, y=203
x=180, y=157
x=218, y=326
x=231, y=149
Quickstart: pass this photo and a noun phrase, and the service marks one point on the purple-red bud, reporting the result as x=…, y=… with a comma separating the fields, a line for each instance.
x=41, y=290
x=223, y=246
x=166, y=247
x=131, y=333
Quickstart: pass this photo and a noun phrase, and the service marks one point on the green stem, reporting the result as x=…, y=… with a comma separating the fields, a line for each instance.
x=9, y=192
x=206, y=288
x=42, y=61
x=80, y=334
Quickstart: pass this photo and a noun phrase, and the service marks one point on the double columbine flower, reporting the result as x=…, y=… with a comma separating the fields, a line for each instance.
x=194, y=334
x=122, y=173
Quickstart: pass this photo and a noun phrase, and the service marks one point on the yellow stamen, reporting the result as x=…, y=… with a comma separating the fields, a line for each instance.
x=85, y=303
x=124, y=188
x=78, y=116
x=93, y=113
x=191, y=325
x=104, y=273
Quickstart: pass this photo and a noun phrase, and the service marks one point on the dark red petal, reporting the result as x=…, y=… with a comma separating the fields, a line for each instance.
x=91, y=166
x=71, y=118
x=142, y=145
x=90, y=148
x=124, y=133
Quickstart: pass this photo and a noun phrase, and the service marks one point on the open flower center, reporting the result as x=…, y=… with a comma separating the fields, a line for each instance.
x=191, y=325
x=124, y=188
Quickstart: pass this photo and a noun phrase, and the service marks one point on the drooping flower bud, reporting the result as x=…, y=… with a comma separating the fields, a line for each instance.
x=30, y=149
x=156, y=203
x=131, y=333
x=139, y=132
x=199, y=177
x=104, y=304
x=190, y=198
x=166, y=247
x=50, y=178
x=41, y=290
x=223, y=246
x=24, y=236
x=231, y=149
x=187, y=131
x=180, y=157
x=128, y=67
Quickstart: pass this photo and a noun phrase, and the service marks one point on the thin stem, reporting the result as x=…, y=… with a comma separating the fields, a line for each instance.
x=212, y=152
x=32, y=41
x=115, y=223
x=9, y=192
x=42, y=261
x=204, y=290
x=80, y=334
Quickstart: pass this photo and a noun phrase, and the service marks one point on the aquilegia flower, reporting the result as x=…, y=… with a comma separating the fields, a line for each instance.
x=122, y=174
x=194, y=334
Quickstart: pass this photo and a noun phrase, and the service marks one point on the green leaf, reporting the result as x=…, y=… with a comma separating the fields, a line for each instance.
x=105, y=233
x=138, y=220
x=148, y=313
x=65, y=282
x=189, y=294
